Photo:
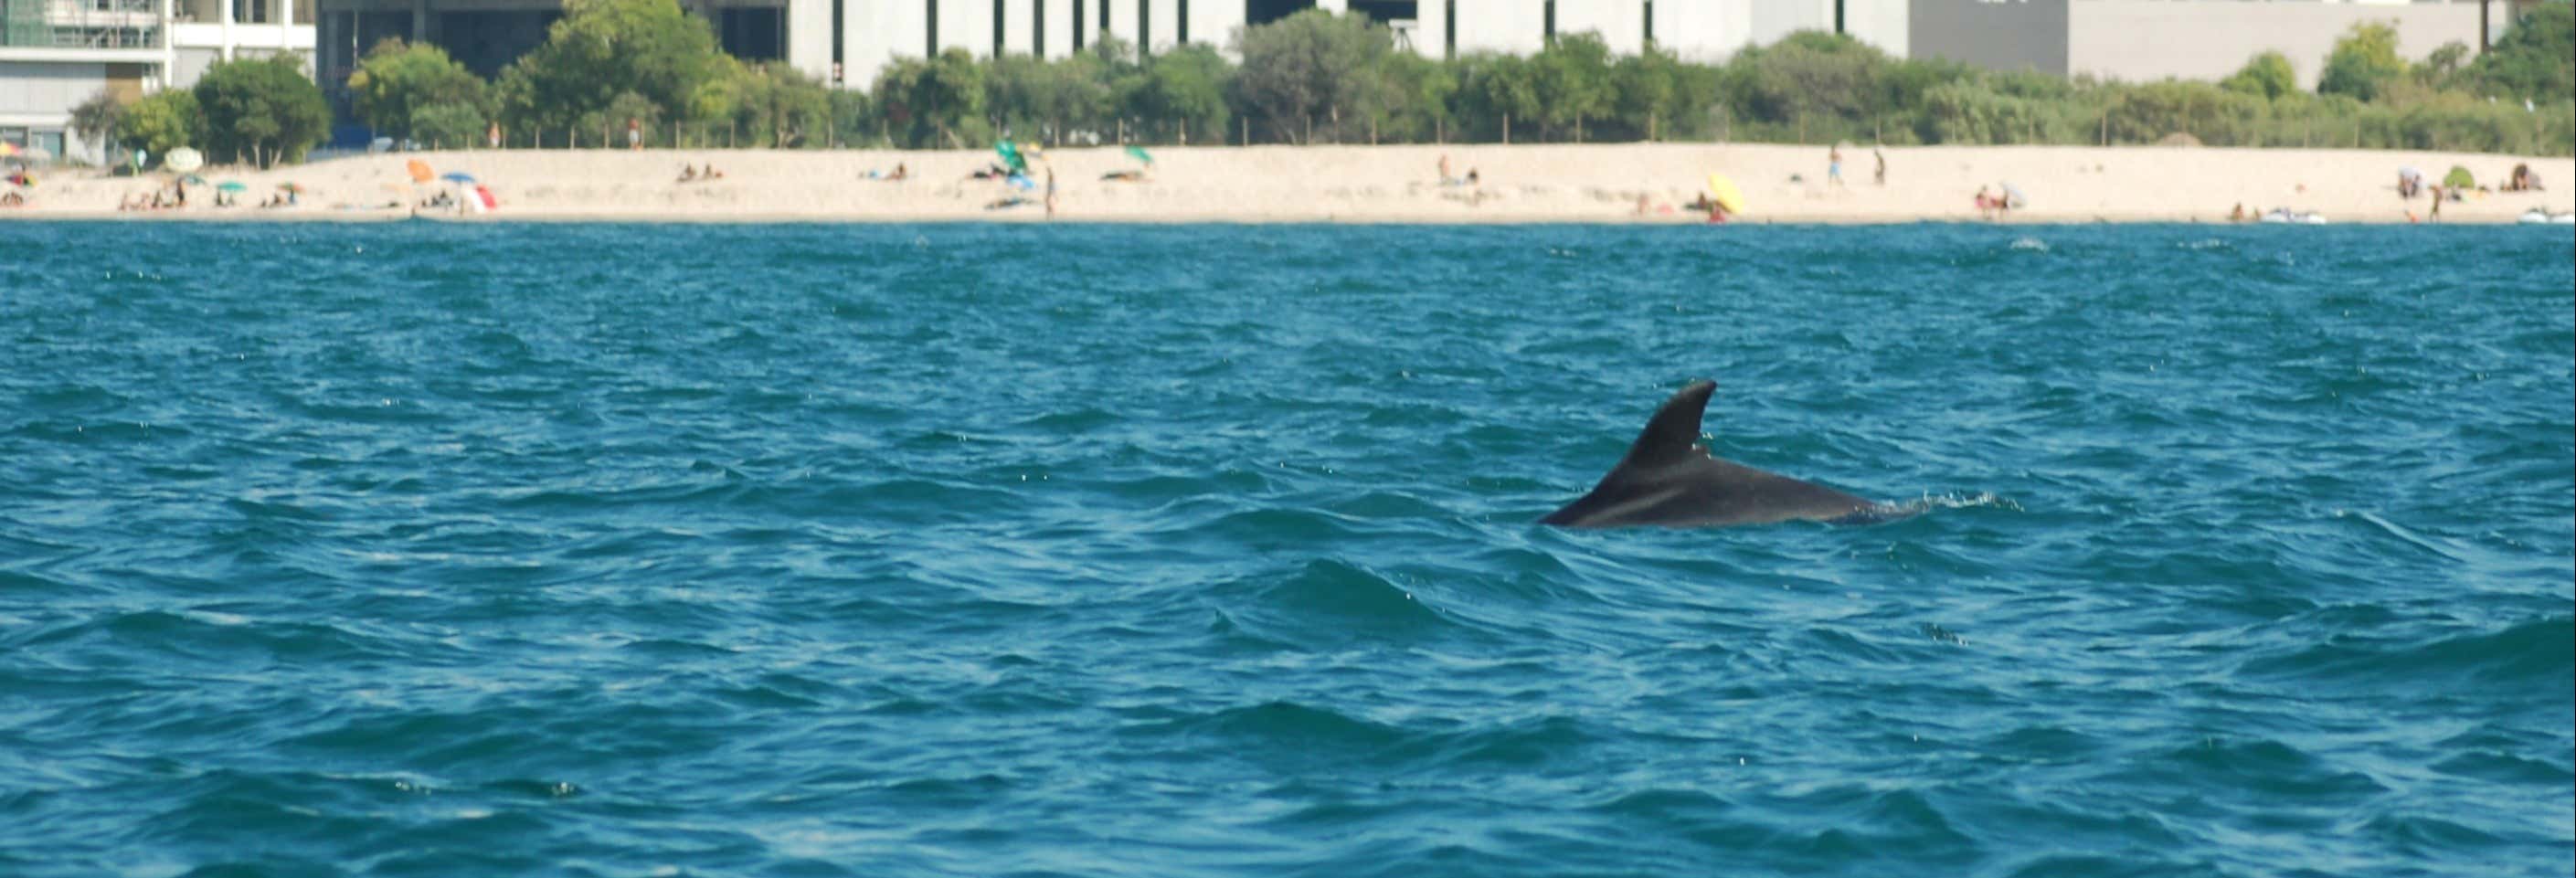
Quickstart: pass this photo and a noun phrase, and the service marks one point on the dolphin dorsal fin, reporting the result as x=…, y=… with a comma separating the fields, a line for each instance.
x=1673, y=435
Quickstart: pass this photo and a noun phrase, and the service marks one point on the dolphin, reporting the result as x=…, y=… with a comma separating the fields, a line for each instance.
x=1668, y=480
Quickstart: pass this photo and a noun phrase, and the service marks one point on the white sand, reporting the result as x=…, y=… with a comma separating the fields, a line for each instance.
x=1546, y=183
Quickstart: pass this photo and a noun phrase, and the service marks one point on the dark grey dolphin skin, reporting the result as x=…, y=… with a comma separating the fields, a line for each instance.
x=1668, y=480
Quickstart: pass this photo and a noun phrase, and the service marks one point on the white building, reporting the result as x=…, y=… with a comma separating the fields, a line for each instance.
x=56, y=53
x=855, y=38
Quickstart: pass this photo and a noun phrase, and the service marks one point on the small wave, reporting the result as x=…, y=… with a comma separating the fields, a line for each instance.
x=2033, y=245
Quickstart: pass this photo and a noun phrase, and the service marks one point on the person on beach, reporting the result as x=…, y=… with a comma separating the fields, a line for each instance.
x=2237, y=215
x=634, y=134
x=688, y=173
x=1050, y=192
x=1471, y=177
x=901, y=172
x=1985, y=204
x=1834, y=165
x=1445, y=179
x=1881, y=173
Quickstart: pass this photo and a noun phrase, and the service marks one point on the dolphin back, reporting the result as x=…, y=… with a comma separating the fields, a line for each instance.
x=1667, y=479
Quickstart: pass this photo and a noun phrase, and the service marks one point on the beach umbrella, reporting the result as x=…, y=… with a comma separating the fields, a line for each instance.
x=193, y=180
x=2014, y=198
x=1724, y=192
x=1140, y=154
x=2409, y=173
x=184, y=160
x=1011, y=156
x=419, y=171
x=7, y=148
x=457, y=177
x=2459, y=178
x=232, y=186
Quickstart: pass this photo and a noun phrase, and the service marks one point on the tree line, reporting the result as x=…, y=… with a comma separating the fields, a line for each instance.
x=1315, y=77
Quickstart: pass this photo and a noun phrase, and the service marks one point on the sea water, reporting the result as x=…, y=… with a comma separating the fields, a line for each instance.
x=575, y=550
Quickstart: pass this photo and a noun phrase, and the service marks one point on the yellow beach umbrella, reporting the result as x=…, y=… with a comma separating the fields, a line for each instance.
x=1723, y=189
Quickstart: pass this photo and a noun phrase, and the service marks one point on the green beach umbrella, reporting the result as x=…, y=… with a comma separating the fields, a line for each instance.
x=232, y=186
x=1010, y=153
x=1140, y=154
x=2459, y=178
x=193, y=180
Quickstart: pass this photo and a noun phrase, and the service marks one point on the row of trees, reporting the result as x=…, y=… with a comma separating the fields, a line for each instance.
x=1317, y=77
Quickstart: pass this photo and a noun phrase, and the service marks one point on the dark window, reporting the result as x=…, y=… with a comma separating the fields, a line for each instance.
x=1037, y=28
x=1267, y=11
x=1077, y=25
x=1184, y=23
x=752, y=33
x=1387, y=10
x=837, y=72
x=1144, y=28
x=1548, y=36
x=1650, y=23
x=930, y=30
x=997, y=28
x=1449, y=31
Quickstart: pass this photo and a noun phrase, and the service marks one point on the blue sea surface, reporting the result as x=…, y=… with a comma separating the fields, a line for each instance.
x=621, y=550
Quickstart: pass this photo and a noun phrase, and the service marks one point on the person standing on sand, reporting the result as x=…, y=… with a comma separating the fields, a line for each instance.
x=634, y=134
x=492, y=135
x=1834, y=164
x=1050, y=198
x=1882, y=165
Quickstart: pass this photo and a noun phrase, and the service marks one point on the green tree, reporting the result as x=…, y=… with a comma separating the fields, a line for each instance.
x=1310, y=68
x=2267, y=75
x=1644, y=89
x=1185, y=87
x=1494, y=90
x=2535, y=60
x=96, y=117
x=162, y=121
x=604, y=48
x=932, y=100
x=266, y=110
x=1574, y=82
x=445, y=126
x=397, y=80
x=2363, y=61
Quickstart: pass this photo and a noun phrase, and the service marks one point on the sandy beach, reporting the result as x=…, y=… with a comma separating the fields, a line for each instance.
x=1401, y=184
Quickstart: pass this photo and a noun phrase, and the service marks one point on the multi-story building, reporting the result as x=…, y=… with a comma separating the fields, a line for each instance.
x=847, y=41
x=56, y=53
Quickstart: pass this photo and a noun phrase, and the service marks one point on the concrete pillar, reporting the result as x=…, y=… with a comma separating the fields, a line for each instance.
x=226, y=50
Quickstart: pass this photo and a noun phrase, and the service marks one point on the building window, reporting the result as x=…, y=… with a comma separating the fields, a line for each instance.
x=1449, y=30
x=1184, y=23
x=1144, y=28
x=1650, y=24
x=1077, y=25
x=1547, y=21
x=837, y=71
x=1037, y=29
x=930, y=30
x=997, y=28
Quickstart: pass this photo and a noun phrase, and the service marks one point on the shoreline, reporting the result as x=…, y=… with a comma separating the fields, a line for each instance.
x=1394, y=185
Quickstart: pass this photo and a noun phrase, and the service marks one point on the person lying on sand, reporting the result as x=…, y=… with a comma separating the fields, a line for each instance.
x=688, y=173
x=1124, y=176
x=1002, y=203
